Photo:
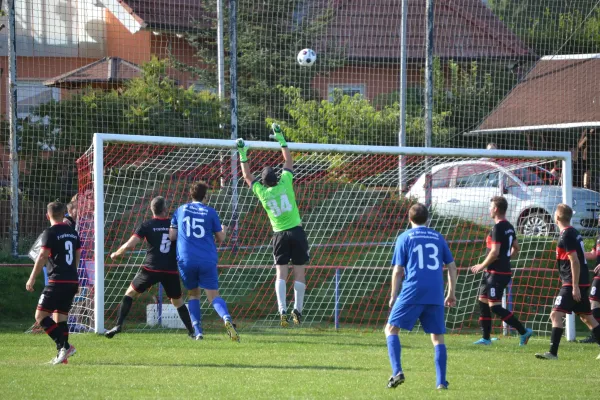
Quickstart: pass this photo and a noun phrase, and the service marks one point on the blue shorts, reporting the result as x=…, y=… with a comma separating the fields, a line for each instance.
x=431, y=316
x=199, y=276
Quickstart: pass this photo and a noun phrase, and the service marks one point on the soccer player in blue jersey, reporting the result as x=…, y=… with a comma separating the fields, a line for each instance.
x=195, y=226
x=419, y=257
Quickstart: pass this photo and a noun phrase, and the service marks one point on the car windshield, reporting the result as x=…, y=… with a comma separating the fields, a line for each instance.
x=535, y=176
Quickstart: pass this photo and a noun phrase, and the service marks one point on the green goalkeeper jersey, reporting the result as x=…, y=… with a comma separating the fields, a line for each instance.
x=280, y=202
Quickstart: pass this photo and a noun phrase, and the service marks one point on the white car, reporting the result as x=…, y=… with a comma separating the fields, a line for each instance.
x=463, y=189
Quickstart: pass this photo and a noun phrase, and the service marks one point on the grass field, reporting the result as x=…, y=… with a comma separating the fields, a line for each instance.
x=294, y=364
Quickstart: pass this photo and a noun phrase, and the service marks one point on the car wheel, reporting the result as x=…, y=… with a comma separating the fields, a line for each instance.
x=536, y=224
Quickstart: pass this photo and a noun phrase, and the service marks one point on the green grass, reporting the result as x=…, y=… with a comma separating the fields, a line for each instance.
x=299, y=364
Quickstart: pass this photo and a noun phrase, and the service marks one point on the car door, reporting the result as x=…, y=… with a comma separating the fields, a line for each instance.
x=441, y=193
x=475, y=185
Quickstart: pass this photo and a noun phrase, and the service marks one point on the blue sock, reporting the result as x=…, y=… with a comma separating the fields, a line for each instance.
x=441, y=357
x=221, y=308
x=394, y=348
x=196, y=314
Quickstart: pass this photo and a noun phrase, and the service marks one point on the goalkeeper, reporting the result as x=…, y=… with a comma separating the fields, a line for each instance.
x=289, y=239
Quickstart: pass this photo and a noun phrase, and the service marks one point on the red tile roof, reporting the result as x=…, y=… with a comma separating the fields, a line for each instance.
x=463, y=29
x=108, y=70
x=171, y=15
x=559, y=92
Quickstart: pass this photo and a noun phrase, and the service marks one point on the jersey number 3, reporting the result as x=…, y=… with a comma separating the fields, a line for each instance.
x=432, y=254
x=277, y=209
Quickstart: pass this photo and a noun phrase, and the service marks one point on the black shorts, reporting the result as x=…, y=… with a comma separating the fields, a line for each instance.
x=145, y=279
x=58, y=298
x=564, y=301
x=492, y=286
x=595, y=289
x=290, y=245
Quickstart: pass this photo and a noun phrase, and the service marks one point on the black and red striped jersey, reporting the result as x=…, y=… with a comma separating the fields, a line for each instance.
x=503, y=233
x=63, y=242
x=570, y=241
x=160, y=252
x=597, y=250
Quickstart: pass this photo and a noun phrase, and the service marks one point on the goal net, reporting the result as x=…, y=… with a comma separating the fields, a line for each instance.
x=352, y=210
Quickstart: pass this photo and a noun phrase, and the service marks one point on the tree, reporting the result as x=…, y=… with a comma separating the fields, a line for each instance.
x=269, y=38
x=353, y=120
x=57, y=133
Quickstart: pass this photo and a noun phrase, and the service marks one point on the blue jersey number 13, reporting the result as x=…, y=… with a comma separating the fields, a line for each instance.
x=433, y=255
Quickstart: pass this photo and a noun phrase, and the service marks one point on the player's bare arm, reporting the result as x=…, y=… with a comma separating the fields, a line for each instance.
x=515, y=248
x=37, y=268
x=220, y=236
x=243, y=152
x=172, y=234
x=590, y=255
x=489, y=259
x=287, y=158
x=127, y=246
x=397, y=276
x=452, y=278
x=575, y=269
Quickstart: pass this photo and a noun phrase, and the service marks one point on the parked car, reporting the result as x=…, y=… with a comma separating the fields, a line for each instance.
x=463, y=189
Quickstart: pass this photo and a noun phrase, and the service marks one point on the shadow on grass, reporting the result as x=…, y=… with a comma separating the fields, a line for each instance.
x=237, y=366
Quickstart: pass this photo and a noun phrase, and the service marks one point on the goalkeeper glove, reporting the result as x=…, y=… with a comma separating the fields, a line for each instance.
x=278, y=135
x=242, y=149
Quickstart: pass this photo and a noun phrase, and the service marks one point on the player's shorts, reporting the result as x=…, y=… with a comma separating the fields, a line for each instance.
x=431, y=316
x=58, y=298
x=290, y=245
x=145, y=279
x=565, y=303
x=199, y=276
x=595, y=289
x=492, y=286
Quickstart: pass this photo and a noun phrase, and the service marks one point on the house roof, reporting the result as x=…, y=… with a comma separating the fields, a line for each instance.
x=463, y=29
x=108, y=70
x=165, y=15
x=560, y=92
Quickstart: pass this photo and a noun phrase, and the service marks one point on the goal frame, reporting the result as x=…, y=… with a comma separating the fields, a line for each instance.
x=98, y=182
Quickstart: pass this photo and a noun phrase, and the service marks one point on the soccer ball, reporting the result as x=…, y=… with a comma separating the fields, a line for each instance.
x=306, y=57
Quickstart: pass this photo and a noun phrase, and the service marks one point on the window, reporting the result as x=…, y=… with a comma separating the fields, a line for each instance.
x=346, y=89
x=31, y=94
x=477, y=176
x=441, y=179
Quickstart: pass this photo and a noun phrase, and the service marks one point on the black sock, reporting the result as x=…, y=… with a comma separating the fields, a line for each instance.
x=124, y=309
x=596, y=333
x=555, y=337
x=65, y=334
x=184, y=314
x=485, y=320
x=596, y=314
x=509, y=318
x=53, y=330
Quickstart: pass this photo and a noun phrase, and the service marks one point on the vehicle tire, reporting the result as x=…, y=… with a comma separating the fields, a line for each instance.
x=536, y=223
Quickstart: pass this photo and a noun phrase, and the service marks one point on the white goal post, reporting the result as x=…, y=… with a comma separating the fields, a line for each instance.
x=101, y=140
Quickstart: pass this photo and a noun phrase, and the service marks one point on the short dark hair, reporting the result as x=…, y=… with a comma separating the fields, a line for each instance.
x=56, y=210
x=418, y=214
x=500, y=203
x=269, y=177
x=158, y=205
x=564, y=213
x=198, y=190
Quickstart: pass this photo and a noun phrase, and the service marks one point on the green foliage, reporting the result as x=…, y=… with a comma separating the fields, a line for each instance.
x=152, y=104
x=269, y=38
x=551, y=27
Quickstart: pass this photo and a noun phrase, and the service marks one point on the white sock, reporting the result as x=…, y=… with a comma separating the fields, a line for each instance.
x=280, y=290
x=299, y=289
